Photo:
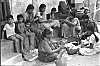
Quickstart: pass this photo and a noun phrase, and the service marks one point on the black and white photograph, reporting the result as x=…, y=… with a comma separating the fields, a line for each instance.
x=50, y=32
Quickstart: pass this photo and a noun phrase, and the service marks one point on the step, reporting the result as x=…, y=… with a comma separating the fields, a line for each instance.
x=11, y=58
x=6, y=46
x=30, y=57
x=25, y=63
x=20, y=63
x=36, y=62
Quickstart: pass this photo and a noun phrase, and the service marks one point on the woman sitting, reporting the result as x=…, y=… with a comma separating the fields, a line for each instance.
x=45, y=49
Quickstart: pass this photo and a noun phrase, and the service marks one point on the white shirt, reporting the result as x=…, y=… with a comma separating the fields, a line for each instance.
x=41, y=16
x=9, y=30
x=96, y=44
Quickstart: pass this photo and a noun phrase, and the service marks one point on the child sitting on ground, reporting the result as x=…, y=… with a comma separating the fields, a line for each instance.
x=93, y=42
x=11, y=35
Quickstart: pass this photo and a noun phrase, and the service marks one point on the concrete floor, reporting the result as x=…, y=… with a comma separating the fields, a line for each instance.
x=76, y=60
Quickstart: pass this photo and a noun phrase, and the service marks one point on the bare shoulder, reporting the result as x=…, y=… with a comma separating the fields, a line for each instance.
x=44, y=43
x=22, y=23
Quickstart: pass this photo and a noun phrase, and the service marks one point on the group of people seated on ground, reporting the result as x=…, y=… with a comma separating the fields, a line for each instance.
x=36, y=31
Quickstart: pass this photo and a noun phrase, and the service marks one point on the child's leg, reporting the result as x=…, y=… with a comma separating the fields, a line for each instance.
x=31, y=40
x=26, y=42
x=22, y=42
x=16, y=42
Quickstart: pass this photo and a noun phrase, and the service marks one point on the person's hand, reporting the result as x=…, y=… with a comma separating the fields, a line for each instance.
x=61, y=46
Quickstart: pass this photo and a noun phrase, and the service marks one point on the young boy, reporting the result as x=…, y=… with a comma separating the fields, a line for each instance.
x=25, y=32
x=21, y=25
x=21, y=30
x=11, y=35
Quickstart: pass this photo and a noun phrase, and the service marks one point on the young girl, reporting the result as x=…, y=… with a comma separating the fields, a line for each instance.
x=53, y=17
x=11, y=35
x=43, y=19
x=29, y=13
x=93, y=42
x=26, y=33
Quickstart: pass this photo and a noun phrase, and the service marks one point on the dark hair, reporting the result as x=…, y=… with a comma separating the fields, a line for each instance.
x=42, y=6
x=19, y=16
x=82, y=8
x=71, y=17
x=73, y=13
x=53, y=9
x=46, y=32
x=60, y=2
x=85, y=10
x=9, y=16
x=30, y=6
x=28, y=21
x=73, y=5
x=92, y=28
